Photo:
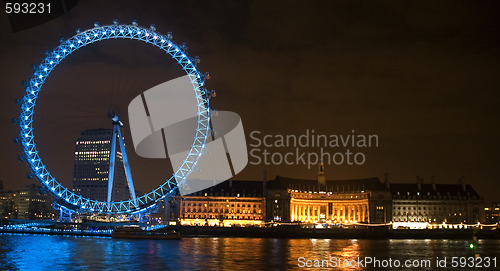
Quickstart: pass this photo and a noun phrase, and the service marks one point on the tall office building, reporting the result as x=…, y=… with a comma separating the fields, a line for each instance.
x=91, y=167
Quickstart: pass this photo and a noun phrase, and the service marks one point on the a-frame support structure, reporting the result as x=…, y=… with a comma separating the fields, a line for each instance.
x=117, y=134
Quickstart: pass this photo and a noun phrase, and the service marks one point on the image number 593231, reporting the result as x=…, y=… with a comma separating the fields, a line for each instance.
x=27, y=8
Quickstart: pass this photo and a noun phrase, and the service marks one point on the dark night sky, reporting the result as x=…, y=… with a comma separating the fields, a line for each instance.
x=423, y=76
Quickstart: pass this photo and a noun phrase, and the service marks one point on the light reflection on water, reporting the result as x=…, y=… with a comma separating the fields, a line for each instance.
x=39, y=252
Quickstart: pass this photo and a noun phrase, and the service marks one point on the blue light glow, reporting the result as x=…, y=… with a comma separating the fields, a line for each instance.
x=76, y=42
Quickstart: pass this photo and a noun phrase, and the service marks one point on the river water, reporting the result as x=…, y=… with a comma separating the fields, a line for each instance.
x=42, y=252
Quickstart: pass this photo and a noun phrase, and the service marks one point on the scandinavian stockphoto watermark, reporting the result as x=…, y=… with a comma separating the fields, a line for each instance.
x=310, y=148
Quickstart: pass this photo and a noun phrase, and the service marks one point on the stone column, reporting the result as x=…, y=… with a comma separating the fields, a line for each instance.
x=327, y=214
x=296, y=212
x=348, y=214
x=304, y=212
x=354, y=212
x=358, y=213
x=364, y=213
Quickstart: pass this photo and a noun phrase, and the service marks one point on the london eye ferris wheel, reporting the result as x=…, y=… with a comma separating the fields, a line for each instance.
x=42, y=71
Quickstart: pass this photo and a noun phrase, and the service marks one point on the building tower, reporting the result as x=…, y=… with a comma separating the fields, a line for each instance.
x=321, y=175
x=91, y=167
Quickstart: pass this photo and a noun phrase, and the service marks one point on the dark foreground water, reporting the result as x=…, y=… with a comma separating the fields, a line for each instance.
x=40, y=252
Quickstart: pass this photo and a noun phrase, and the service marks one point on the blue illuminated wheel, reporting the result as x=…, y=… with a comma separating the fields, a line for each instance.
x=81, y=39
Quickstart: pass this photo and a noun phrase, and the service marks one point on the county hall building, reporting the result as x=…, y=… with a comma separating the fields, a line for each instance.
x=286, y=200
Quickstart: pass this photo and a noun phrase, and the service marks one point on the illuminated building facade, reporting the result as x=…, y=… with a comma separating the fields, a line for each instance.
x=31, y=202
x=285, y=200
x=35, y=203
x=350, y=201
x=225, y=204
x=436, y=203
x=91, y=167
x=322, y=206
x=8, y=207
x=492, y=213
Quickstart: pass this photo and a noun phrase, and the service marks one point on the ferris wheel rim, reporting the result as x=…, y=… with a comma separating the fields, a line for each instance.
x=81, y=39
